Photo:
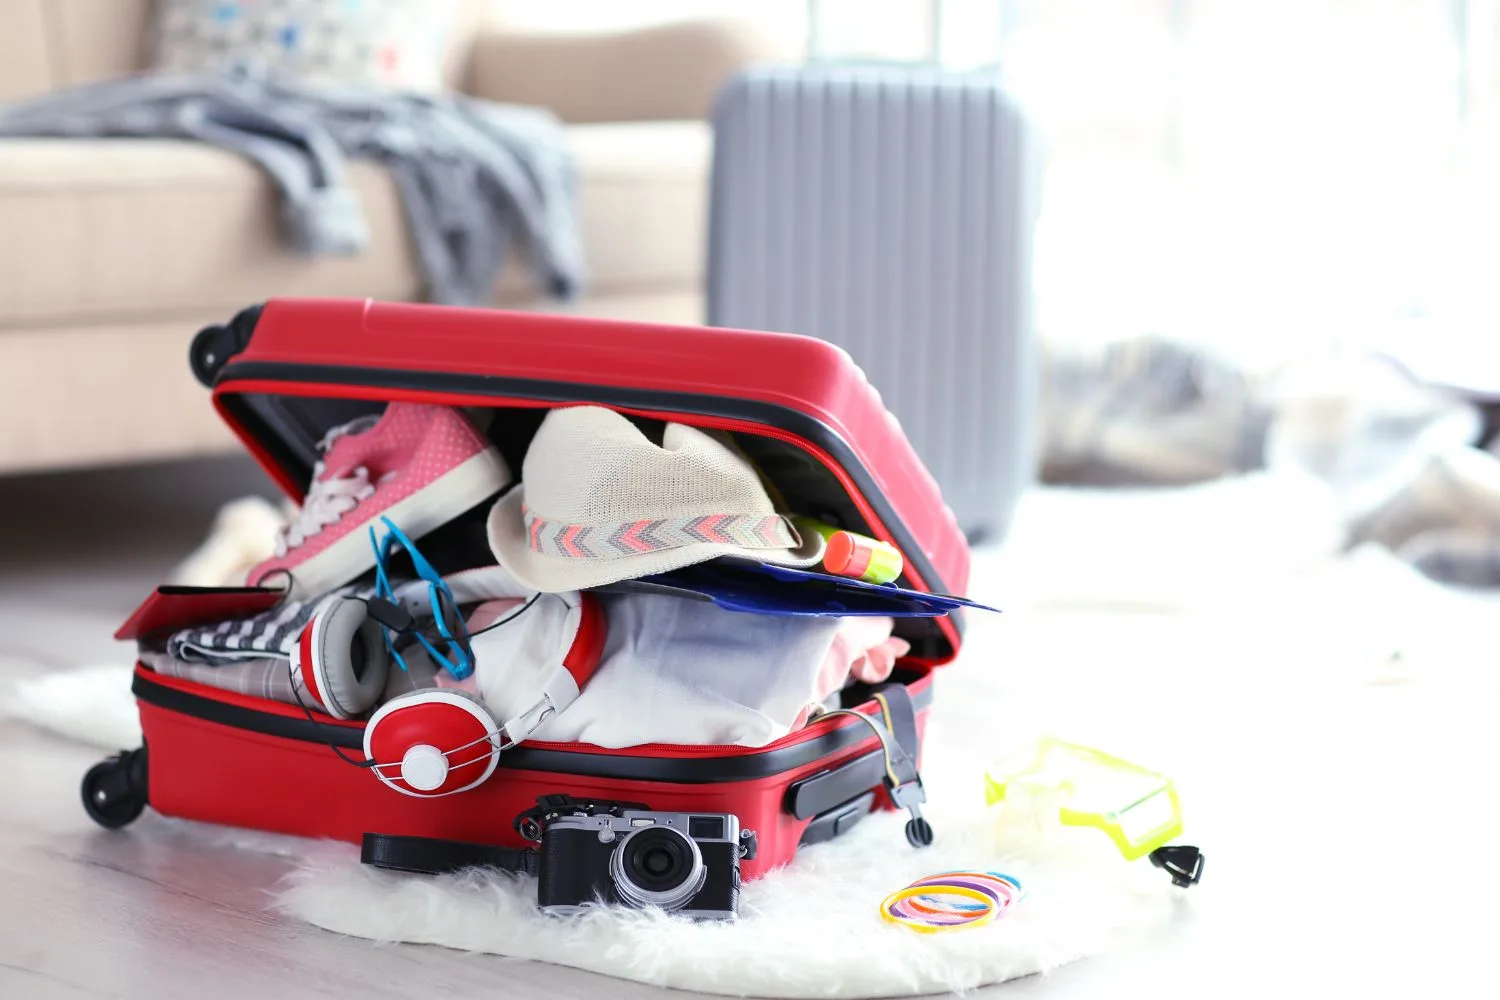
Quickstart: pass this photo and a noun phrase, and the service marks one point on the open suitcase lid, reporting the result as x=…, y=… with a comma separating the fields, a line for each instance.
x=285, y=372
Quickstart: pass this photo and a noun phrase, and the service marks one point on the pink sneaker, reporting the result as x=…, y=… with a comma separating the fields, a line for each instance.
x=418, y=464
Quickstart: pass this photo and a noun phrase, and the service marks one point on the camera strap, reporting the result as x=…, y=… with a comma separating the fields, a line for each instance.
x=434, y=856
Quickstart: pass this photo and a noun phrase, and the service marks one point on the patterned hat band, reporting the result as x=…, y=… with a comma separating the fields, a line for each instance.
x=632, y=538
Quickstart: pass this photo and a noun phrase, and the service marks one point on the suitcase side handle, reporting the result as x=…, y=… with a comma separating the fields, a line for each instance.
x=837, y=821
x=831, y=788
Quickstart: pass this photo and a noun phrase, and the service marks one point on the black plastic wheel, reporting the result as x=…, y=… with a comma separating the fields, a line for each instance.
x=919, y=832
x=114, y=790
x=210, y=349
x=214, y=345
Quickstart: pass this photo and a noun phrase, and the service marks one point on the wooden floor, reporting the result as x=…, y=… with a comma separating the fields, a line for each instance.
x=1350, y=834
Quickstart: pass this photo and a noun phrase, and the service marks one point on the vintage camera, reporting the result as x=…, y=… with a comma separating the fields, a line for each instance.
x=685, y=862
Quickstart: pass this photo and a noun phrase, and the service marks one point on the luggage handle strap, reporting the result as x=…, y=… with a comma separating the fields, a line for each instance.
x=433, y=856
x=899, y=743
x=437, y=856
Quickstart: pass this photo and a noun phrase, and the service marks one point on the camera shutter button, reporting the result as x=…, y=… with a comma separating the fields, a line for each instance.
x=424, y=767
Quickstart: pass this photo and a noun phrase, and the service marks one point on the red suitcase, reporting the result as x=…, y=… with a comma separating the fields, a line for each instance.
x=284, y=372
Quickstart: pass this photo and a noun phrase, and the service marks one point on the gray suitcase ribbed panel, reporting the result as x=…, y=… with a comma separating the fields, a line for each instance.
x=890, y=212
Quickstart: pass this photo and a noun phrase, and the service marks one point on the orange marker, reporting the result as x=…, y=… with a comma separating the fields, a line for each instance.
x=848, y=553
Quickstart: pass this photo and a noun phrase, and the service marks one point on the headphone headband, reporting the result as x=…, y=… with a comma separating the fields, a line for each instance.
x=578, y=655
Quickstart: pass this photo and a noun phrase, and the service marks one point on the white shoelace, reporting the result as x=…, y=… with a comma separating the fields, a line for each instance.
x=328, y=500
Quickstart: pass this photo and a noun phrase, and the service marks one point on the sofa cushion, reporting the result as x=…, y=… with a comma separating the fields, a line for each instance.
x=102, y=230
x=376, y=43
x=90, y=40
x=643, y=206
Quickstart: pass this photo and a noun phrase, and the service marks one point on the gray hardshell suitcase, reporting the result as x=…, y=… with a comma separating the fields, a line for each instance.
x=890, y=211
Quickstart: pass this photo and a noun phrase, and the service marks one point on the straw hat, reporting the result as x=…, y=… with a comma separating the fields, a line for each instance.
x=599, y=502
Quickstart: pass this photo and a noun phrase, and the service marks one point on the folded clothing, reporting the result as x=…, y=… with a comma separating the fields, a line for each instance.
x=251, y=656
x=744, y=679
x=863, y=650
x=688, y=672
x=271, y=633
x=272, y=677
x=672, y=670
x=255, y=677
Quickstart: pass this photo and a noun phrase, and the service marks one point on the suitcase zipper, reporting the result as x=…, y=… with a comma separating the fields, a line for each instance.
x=654, y=749
x=640, y=763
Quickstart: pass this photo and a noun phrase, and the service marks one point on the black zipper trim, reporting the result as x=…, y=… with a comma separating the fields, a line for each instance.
x=679, y=770
x=780, y=417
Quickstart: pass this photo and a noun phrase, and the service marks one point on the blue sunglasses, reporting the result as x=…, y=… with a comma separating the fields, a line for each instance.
x=457, y=658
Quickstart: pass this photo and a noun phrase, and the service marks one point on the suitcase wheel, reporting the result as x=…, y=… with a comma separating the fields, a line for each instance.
x=114, y=790
x=919, y=832
x=214, y=345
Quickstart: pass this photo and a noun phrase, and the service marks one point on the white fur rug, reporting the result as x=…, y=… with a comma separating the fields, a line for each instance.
x=1179, y=568
x=809, y=930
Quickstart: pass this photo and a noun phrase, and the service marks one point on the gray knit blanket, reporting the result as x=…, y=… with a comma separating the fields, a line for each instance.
x=477, y=179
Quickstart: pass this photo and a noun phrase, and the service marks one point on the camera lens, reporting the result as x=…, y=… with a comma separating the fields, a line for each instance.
x=657, y=866
x=658, y=862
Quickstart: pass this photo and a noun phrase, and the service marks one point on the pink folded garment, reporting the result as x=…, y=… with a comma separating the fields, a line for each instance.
x=488, y=615
x=863, y=649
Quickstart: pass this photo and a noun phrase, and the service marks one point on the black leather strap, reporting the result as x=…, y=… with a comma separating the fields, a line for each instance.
x=431, y=856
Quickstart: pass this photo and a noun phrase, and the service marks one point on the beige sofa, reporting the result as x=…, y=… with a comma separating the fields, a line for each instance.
x=114, y=252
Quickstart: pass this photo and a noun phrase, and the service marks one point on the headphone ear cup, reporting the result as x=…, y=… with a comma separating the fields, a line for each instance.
x=342, y=659
x=433, y=742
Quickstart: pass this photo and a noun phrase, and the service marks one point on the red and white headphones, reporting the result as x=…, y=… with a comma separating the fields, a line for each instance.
x=341, y=658
x=436, y=741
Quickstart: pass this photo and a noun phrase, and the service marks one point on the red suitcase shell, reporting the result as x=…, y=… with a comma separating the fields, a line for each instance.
x=282, y=373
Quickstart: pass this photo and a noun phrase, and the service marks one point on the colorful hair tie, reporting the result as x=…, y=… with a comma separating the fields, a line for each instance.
x=999, y=892
x=1010, y=880
x=952, y=899
x=937, y=901
x=1007, y=885
x=893, y=912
